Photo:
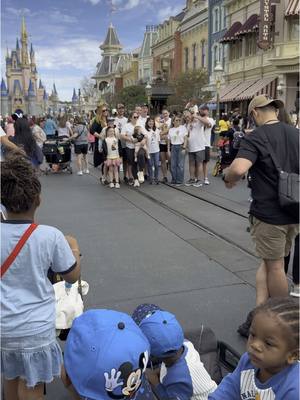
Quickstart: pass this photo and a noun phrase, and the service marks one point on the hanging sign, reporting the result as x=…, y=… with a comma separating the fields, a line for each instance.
x=265, y=22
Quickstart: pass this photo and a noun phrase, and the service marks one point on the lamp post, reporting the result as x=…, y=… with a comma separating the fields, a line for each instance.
x=218, y=70
x=148, y=90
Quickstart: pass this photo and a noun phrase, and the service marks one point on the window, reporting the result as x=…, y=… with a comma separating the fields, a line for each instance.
x=216, y=23
x=250, y=45
x=186, y=58
x=294, y=30
x=222, y=18
x=215, y=55
x=203, y=54
x=235, y=50
x=194, y=48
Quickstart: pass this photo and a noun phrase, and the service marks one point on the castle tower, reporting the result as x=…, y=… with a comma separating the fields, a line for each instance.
x=54, y=99
x=24, y=51
x=31, y=99
x=18, y=49
x=4, y=99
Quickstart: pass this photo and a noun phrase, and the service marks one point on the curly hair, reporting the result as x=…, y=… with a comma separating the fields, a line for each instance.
x=20, y=186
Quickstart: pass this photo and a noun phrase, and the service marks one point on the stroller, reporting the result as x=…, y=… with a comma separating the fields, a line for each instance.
x=57, y=152
x=226, y=155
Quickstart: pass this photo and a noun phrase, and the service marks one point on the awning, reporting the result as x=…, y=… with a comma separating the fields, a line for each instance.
x=293, y=8
x=251, y=25
x=225, y=90
x=229, y=35
x=261, y=86
x=234, y=93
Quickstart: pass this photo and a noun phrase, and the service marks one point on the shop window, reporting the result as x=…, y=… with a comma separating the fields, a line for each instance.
x=294, y=30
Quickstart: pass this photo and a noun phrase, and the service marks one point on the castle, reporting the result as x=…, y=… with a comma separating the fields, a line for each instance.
x=22, y=89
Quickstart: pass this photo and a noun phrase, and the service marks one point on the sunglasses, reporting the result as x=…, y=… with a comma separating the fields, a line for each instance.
x=135, y=117
x=104, y=110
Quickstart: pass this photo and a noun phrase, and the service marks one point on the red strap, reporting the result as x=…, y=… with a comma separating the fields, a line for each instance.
x=11, y=258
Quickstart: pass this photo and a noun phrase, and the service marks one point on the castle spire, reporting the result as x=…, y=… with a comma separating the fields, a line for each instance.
x=23, y=30
x=25, y=60
x=17, y=45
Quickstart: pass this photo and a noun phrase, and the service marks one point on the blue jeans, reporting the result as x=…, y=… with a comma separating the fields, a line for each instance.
x=177, y=163
x=153, y=162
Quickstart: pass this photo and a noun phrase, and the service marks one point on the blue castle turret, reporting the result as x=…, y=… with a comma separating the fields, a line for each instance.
x=4, y=98
x=31, y=99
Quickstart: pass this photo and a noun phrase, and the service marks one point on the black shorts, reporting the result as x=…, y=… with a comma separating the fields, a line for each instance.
x=163, y=148
x=81, y=148
x=124, y=153
x=130, y=156
x=207, y=154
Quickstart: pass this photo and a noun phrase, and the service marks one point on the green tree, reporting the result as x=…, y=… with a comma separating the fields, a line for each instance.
x=130, y=96
x=189, y=86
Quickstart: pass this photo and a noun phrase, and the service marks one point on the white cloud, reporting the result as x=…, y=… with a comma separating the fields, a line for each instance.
x=167, y=12
x=17, y=12
x=93, y=2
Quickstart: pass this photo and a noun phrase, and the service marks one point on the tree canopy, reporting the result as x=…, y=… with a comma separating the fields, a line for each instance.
x=131, y=96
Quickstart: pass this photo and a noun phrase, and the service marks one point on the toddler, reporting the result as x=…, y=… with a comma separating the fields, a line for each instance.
x=181, y=374
x=270, y=368
x=30, y=354
x=140, y=143
x=112, y=149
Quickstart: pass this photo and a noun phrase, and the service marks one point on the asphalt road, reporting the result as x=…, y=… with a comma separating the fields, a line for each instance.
x=159, y=245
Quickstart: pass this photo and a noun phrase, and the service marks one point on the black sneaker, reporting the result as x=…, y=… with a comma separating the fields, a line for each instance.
x=125, y=180
x=165, y=180
x=190, y=182
x=243, y=329
x=130, y=182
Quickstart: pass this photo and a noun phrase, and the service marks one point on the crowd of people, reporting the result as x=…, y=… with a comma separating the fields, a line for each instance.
x=109, y=354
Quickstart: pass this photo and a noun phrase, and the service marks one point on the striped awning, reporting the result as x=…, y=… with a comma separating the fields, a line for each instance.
x=234, y=93
x=293, y=8
x=225, y=90
x=261, y=86
x=251, y=25
x=229, y=35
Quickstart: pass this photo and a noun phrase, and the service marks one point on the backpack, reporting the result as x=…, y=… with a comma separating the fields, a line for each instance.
x=237, y=138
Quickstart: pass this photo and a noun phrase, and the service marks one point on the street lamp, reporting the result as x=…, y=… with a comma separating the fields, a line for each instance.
x=218, y=70
x=148, y=90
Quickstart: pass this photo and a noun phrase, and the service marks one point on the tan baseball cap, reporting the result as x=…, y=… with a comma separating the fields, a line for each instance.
x=262, y=101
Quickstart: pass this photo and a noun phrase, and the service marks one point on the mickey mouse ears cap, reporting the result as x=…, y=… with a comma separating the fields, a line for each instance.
x=262, y=101
x=106, y=355
x=164, y=333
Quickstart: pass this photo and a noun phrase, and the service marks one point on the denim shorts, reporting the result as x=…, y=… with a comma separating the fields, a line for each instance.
x=35, y=359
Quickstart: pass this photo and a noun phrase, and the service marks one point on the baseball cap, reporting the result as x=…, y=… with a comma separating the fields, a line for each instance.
x=164, y=333
x=143, y=311
x=262, y=101
x=17, y=114
x=106, y=355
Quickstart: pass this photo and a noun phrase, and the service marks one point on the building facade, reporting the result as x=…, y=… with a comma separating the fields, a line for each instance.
x=194, y=36
x=255, y=66
x=145, y=65
x=129, y=68
x=22, y=88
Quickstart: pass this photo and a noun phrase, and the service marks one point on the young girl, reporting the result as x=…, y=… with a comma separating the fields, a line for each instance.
x=153, y=137
x=30, y=354
x=270, y=368
x=112, y=149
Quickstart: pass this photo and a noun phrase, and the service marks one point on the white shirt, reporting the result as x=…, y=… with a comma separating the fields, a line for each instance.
x=112, y=148
x=120, y=122
x=196, y=139
x=128, y=130
x=207, y=132
x=153, y=138
x=177, y=135
x=141, y=121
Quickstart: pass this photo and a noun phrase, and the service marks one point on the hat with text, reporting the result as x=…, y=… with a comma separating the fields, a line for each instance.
x=164, y=333
x=106, y=355
x=262, y=101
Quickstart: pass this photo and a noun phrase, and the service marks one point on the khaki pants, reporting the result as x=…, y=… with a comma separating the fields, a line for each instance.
x=272, y=242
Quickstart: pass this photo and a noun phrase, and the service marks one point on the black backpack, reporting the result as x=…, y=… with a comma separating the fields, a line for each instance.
x=237, y=138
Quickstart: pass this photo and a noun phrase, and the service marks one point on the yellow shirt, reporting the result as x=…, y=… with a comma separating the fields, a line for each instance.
x=223, y=125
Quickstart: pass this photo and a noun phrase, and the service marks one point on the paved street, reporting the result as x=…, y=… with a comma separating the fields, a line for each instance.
x=136, y=250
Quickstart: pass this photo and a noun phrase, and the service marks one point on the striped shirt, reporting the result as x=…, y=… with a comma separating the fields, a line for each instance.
x=186, y=379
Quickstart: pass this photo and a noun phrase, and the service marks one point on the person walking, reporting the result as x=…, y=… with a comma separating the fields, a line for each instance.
x=50, y=126
x=178, y=139
x=273, y=228
x=81, y=144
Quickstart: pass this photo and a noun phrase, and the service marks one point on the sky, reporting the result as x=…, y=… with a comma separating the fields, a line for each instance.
x=66, y=34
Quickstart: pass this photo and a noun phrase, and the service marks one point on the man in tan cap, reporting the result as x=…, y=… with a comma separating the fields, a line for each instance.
x=273, y=228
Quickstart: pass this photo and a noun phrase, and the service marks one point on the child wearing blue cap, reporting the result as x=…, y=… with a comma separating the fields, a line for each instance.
x=181, y=374
x=106, y=356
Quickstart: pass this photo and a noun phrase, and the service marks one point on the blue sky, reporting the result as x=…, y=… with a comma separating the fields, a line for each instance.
x=66, y=34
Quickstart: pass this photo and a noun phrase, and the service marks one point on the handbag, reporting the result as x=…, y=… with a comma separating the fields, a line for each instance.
x=11, y=258
x=288, y=185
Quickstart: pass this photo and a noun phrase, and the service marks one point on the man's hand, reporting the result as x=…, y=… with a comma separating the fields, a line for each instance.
x=72, y=242
x=230, y=185
x=153, y=376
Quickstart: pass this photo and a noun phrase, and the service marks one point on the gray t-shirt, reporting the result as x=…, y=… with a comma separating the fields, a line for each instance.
x=27, y=295
x=83, y=132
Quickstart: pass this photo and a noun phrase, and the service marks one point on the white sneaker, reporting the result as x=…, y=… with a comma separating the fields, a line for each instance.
x=86, y=171
x=136, y=183
x=117, y=186
x=140, y=175
x=79, y=173
x=206, y=181
x=295, y=291
x=111, y=185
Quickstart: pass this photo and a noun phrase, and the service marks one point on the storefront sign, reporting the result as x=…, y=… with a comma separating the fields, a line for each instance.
x=265, y=22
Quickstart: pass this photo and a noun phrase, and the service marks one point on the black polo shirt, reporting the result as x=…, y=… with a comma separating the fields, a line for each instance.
x=284, y=140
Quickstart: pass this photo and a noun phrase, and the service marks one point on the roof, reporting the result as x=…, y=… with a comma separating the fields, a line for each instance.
x=3, y=88
x=225, y=90
x=150, y=37
x=249, y=26
x=293, y=8
x=41, y=85
x=229, y=35
x=111, y=39
x=179, y=17
x=108, y=65
x=74, y=97
x=256, y=88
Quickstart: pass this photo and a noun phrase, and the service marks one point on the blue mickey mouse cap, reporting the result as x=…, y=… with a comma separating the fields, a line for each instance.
x=164, y=333
x=106, y=355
